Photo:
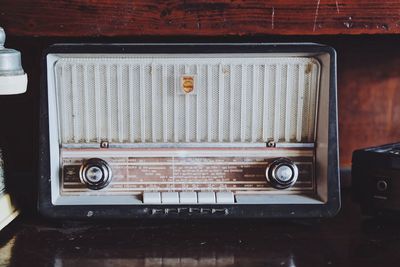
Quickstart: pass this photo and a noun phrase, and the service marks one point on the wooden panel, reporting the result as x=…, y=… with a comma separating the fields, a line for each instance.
x=205, y=18
x=369, y=97
x=347, y=240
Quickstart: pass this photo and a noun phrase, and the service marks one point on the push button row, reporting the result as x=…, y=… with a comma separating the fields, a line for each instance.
x=188, y=197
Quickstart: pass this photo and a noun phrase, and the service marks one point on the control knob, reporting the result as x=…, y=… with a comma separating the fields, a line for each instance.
x=282, y=173
x=95, y=173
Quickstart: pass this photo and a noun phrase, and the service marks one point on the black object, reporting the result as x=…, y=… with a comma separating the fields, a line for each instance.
x=376, y=179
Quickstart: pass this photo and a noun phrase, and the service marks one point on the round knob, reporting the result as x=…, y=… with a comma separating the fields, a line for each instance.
x=381, y=185
x=282, y=173
x=95, y=173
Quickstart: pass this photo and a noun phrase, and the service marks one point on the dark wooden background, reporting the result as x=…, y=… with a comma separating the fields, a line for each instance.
x=364, y=33
x=201, y=18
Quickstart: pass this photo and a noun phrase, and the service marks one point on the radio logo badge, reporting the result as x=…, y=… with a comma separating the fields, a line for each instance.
x=188, y=83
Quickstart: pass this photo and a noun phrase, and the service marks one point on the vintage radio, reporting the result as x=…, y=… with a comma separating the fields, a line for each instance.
x=375, y=179
x=179, y=130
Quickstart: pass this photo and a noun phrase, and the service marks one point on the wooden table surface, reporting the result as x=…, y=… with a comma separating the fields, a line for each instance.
x=345, y=240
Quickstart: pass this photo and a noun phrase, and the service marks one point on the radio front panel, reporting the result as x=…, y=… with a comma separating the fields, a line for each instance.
x=188, y=126
x=158, y=173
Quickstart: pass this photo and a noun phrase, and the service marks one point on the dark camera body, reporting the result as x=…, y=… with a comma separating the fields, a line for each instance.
x=376, y=179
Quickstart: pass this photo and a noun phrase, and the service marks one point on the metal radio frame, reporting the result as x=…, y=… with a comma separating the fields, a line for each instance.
x=326, y=145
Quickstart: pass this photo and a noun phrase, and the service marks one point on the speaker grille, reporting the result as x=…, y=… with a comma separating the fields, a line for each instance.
x=140, y=98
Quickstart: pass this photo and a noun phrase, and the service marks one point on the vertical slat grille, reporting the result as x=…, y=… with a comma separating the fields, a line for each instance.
x=140, y=99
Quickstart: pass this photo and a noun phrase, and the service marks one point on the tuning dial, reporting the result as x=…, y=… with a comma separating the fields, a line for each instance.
x=282, y=173
x=95, y=173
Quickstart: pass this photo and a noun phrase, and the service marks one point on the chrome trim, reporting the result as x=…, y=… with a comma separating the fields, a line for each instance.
x=187, y=145
x=294, y=145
